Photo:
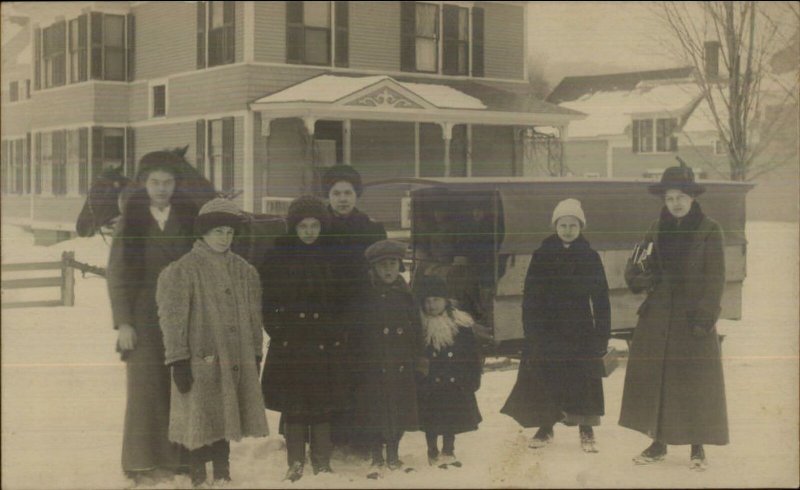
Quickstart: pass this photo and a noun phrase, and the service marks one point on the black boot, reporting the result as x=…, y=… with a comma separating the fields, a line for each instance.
x=392, y=454
x=197, y=465
x=587, y=439
x=656, y=452
x=433, y=450
x=321, y=448
x=542, y=437
x=377, y=456
x=698, y=458
x=220, y=460
x=295, y=471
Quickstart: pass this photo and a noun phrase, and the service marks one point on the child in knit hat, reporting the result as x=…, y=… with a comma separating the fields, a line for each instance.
x=446, y=392
x=385, y=348
x=209, y=308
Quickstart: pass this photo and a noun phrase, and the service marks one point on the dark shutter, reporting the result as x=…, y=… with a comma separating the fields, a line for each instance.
x=83, y=160
x=201, y=35
x=477, y=42
x=38, y=165
x=83, y=39
x=19, y=163
x=59, y=167
x=28, y=88
x=37, y=59
x=200, y=146
x=227, y=154
x=130, y=154
x=450, y=38
x=60, y=42
x=130, y=45
x=408, y=36
x=635, y=135
x=229, y=40
x=96, y=36
x=5, y=162
x=97, y=151
x=342, y=17
x=28, y=163
x=295, y=38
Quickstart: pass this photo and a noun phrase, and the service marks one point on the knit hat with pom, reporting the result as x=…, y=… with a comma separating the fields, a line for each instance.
x=306, y=207
x=217, y=212
x=569, y=207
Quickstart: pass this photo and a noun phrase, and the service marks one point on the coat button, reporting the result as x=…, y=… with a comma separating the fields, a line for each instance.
x=452, y=380
x=386, y=331
x=435, y=354
x=337, y=344
x=438, y=379
x=285, y=343
x=316, y=316
x=302, y=315
x=401, y=368
x=400, y=331
x=449, y=354
x=321, y=347
x=235, y=368
x=383, y=370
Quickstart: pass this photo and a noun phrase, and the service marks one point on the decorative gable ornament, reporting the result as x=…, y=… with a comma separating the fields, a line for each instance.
x=385, y=98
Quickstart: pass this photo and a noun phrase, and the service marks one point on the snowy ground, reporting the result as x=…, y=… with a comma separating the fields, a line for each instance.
x=63, y=399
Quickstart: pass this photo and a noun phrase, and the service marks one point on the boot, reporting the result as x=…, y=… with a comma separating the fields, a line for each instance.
x=698, y=458
x=295, y=472
x=656, y=452
x=587, y=439
x=377, y=456
x=220, y=460
x=392, y=455
x=433, y=450
x=197, y=473
x=543, y=437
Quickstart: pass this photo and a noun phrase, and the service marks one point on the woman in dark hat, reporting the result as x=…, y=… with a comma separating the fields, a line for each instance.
x=674, y=388
x=302, y=374
x=155, y=229
x=350, y=233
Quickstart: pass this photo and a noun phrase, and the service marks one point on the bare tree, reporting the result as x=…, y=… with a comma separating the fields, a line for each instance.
x=747, y=37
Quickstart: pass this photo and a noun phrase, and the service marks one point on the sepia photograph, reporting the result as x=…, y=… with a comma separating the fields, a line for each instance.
x=400, y=244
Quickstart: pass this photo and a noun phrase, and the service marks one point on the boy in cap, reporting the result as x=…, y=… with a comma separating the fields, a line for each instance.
x=385, y=347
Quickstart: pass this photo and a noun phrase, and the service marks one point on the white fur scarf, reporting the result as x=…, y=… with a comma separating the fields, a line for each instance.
x=440, y=331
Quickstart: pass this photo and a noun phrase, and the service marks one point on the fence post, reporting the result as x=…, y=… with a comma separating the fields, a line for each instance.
x=67, y=279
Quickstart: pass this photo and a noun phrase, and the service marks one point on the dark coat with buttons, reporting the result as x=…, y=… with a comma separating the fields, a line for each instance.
x=303, y=370
x=447, y=403
x=674, y=386
x=385, y=346
x=567, y=320
x=209, y=307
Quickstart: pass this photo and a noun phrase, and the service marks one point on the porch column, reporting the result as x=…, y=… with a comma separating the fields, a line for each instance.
x=266, y=129
x=347, y=126
x=249, y=165
x=447, y=137
x=308, y=170
x=563, y=133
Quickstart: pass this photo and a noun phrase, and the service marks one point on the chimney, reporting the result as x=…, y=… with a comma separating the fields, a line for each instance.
x=711, y=58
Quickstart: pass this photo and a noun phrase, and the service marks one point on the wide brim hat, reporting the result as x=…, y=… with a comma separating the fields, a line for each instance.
x=386, y=249
x=680, y=178
x=215, y=213
x=338, y=173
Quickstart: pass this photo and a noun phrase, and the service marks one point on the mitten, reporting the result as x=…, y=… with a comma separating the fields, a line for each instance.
x=182, y=375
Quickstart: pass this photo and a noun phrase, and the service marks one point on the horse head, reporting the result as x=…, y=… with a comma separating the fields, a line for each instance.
x=102, y=201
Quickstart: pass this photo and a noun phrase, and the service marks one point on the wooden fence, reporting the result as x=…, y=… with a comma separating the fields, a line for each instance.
x=65, y=281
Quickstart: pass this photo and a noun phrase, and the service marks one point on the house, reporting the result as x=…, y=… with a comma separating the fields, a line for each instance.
x=266, y=95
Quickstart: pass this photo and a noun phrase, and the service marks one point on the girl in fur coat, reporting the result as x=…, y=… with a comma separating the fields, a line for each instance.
x=446, y=389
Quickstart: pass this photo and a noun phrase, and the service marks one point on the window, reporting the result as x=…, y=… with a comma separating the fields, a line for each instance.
x=45, y=164
x=426, y=33
x=158, y=100
x=77, y=50
x=665, y=141
x=13, y=91
x=219, y=165
x=54, y=55
x=719, y=148
x=59, y=163
x=113, y=147
x=109, y=60
x=77, y=175
x=309, y=31
x=643, y=135
x=215, y=33
x=455, y=59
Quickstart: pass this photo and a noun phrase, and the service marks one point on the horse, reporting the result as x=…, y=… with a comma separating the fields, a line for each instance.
x=110, y=190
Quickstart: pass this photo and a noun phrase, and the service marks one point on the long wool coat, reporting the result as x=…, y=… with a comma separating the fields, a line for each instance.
x=674, y=388
x=567, y=320
x=209, y=305
x=139, y=252
x=447, y=403
x=303, y=370
x=385, y=347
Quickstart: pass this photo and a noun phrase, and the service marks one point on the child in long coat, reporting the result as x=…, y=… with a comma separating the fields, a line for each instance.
x=567, y=319
x=446, y=389
x=386, y=347
x=209, y=307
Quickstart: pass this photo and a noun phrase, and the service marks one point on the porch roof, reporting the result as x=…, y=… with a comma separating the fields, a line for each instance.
x=382, y=97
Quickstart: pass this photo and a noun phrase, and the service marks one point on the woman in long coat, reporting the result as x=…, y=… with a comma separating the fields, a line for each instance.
x=154, y=230
x=674, y=387
x=302, y=375
x=567, y=320
x=209, y=306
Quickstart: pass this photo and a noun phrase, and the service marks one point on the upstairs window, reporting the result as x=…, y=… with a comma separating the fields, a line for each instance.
x=216, y=33
x=78, y=60
x=309, y=31
x=54, y=55
x=108, y=47
x=654, y=135
x=455, y=59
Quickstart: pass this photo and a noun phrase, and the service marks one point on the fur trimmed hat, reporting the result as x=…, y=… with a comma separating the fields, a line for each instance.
x=168, y=161
x=338, y=173
x=569, y=207
x=430, y=286
x=217, y=212
x=305, y=207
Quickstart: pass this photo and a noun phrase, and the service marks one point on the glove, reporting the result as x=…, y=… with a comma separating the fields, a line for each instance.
x=182, y=375
x=699, y=332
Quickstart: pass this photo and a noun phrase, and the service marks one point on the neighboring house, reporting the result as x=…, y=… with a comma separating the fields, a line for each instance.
x=267, y=94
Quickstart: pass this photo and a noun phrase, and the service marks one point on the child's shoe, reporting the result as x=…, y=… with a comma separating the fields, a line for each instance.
x=295, y=472
x=197, y=473
x=698, y=459
x=222, y=470
x=587, y=439
x=542, y=438
x=433, y=457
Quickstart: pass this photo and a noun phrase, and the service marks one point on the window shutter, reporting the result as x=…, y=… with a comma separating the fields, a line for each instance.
x=130, y=154
x=201, y=35
x=477, y=42
x=229, y=42
x=83, y=39
x=58, y=168
x=5, y=163
x=635, y=135
x=28, y=88
x=97, y=151
x=96, y=36
x=60, y=76
x=130, y=45
x=38, y=165
x=408, y=36
x=450, y=40
x=83, y=160
x=37, y=59
x=342, y=16
x=227, y=154
x=200, y=146
x=295, y=39
x=28, y=163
